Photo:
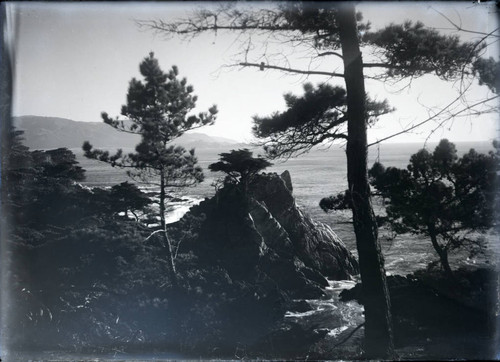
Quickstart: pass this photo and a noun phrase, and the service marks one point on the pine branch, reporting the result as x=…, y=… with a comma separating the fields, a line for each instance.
x=192, y=28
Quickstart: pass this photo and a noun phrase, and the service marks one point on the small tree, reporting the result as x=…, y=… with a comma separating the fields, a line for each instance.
x=158, y=110
x=441, y=196
x=127, y=197
x=58, y=165
x=240, y=167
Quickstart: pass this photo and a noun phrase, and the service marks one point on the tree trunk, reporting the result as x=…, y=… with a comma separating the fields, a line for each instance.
x=170, y=257
x=168, y=244
x=162, y=201
x=378, y=324
x=443, y=254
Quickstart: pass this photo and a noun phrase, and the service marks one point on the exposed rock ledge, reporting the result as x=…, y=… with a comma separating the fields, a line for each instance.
x=315, y=243
x=265, y=231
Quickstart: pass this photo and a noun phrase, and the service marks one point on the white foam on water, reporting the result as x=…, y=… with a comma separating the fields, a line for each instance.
x=335, y=285
x=337, y=331
x=303, y=314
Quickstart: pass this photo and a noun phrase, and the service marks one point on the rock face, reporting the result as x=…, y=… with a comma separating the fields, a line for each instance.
x=268, y=250
x=265, y=229
x=312, y=242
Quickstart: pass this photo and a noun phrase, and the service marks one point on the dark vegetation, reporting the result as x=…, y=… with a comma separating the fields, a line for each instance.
x=447, y=199
x=318, y=117
x=450, y=200
x=87, y=276
x=438, y=320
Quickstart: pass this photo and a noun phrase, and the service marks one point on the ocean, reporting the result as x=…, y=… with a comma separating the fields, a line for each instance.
x=315, y=175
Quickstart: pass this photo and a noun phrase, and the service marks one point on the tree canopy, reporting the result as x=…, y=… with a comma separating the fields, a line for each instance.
x=488, y=72
x=158, y=110
x=317, y=117
x=411, y=49
x=441, y=196
x=239, y=166
x=126, y=197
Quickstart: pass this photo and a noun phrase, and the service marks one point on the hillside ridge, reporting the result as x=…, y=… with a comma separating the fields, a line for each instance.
x=41, y=132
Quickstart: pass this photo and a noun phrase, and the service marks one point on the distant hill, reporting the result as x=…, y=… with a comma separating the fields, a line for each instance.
x=53, y=132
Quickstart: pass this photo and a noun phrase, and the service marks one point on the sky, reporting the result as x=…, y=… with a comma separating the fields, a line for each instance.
x=75, y=60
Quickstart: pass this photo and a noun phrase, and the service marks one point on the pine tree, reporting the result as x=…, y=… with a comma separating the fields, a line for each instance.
x=158, y=110
x=239, y=166
x=127, y=197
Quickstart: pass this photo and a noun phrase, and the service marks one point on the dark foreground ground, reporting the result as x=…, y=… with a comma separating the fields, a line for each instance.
x=435, y=318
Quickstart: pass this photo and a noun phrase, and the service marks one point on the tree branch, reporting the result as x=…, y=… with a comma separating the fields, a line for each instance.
x=330, y=53
x=190, y=27
x=459, y=27
x=263, y=66
x=435, y=116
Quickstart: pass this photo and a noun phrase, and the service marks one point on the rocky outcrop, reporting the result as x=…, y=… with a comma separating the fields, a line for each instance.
x=265, y=231
x=287, y=178
x=315, y=243
x=268, y=251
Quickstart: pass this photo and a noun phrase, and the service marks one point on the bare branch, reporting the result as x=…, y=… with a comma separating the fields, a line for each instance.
x=263, y=66
x=330, y=53
x=443, y=110
x=460, y=28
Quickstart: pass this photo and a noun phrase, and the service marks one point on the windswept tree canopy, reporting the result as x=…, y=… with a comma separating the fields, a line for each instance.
x=412, y=50
x=239, y=165
x=58, y=164
x=408, y=49
x=441, y=196
x=126, y=196
x=318, y=116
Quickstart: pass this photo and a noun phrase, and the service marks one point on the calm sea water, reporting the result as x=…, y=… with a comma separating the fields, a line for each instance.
x=315, y=175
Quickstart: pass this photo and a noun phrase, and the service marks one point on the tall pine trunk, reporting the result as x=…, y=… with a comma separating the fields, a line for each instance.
x=378, y=324
x=166, y=239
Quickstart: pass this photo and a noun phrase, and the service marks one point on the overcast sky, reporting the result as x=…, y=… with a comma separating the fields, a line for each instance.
x=74, y=60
